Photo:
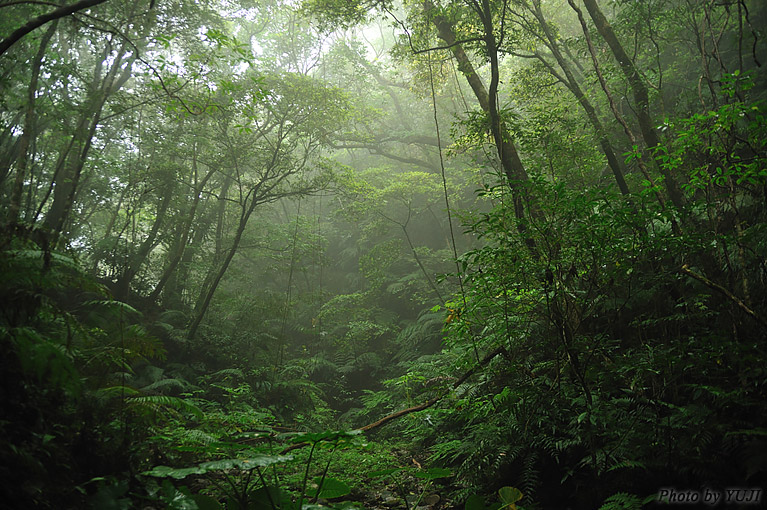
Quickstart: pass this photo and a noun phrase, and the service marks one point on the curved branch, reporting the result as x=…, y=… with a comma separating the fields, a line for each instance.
x=487, y=359
x=447, y=46
x=381, y=152
x=34, y=2
x=732, y=297
x=420, y=407
x=41, y=20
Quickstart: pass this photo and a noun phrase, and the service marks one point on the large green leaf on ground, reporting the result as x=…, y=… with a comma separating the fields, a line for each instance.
x=330, y=488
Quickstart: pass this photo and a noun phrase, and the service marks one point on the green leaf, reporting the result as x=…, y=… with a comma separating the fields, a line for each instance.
x=177, y=473
x=383, y=472
x=475, y=502
x=109, y=497
x=245, y=464
x=206, y=502
x=176, y=403
x=218, y=465
x=509, y=496
x=262, y=498
x=331, y=488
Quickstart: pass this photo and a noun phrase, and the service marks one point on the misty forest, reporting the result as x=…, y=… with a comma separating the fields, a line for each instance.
x=383, y=254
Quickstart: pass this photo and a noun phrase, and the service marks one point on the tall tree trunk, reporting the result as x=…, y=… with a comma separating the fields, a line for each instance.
x=613, y=105
x=9, y=148
x=68, y=175
x=138, y=259
x=572, y=83
x=207, y=295
x=186, y=229
x=29, y=127
x=261, y=192
x=641, y=96
x=172, y=294
x=507, y=152
x=221, y=214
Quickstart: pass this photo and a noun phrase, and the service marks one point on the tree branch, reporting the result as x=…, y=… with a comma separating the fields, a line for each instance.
x=487, y=359
x=732, y=297
x=447, y=46
x=41, y=20
x=380, y=152
x=386, y=419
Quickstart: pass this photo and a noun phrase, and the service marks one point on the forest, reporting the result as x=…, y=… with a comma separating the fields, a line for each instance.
x=383, y=254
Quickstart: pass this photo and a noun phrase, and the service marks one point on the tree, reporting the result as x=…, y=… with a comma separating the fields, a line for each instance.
x=487, y=97
x=41, y=20
x=638, y=88
x=572, y=83
x=283, y=129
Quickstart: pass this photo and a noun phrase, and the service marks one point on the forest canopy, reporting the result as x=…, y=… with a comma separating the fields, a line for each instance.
x=475, y=254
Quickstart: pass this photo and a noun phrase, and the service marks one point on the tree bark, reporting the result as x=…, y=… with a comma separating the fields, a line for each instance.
x=138, y=259
x=202, y=306
x=729, y=295
x=512, y=165
x=641, y=96
x=41, y=20
x=29, y=128
x=262, y=192
x=185, y=230
x=614, y=107
x=68, y=176
x=591, y=114
x=507, y=151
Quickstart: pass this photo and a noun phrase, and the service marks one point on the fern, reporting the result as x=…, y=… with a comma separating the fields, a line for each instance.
x=174, y=318
x=530, y=476
x=320, y=366
x=166, y=385
x=116, y=309
x=161, y=405
x=228, y=372
x=622, y=501
x=199, y=437
x=116, y=391
x=626, y=464
x=424, y=331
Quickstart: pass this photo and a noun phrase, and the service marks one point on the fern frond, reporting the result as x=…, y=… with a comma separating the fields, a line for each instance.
x=622, y=501
x=117, y=391
x=530, y=479
x=228, y=372
x=160, y=404
x=200, y=437
x=167, y=384
x=114, y=307
x=626, y=464
x=174, y=318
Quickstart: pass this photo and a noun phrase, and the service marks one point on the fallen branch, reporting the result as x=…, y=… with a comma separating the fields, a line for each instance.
x=487, y=359
x=732, y=297
x=403, y=412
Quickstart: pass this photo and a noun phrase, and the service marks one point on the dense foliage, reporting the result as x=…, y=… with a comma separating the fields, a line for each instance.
x=363, y=254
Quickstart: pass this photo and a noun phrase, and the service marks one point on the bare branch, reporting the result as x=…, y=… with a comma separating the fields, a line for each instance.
x=386, y=419
x=729, y=295
x=41, y=20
